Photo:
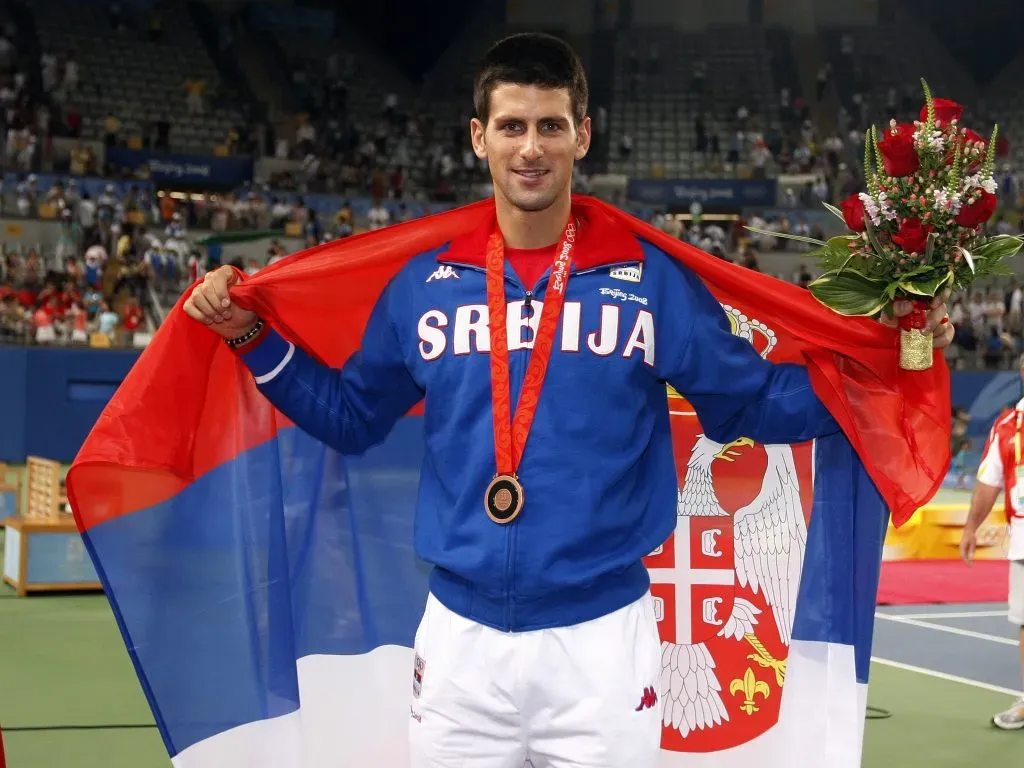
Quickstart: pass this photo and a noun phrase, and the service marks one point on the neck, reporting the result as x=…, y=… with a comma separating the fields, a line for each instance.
x=533, y=229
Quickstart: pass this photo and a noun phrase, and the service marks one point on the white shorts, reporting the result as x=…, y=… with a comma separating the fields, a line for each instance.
x=1016, y=613
x=586, y=696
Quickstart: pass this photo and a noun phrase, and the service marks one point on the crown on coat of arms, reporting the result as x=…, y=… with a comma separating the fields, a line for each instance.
x=760, y=336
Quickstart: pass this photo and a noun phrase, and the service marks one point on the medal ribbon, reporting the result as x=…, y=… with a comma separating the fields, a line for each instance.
x=510, y=435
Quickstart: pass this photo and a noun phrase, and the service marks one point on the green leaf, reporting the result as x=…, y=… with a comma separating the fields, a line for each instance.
x=998, y=248
x=999, y=269
x=927, y=287
x=890, y=293
x=849, y=294
x=924, y=269
x=846, y=261
x=930, y=247
x=967, y=257
x=801, y=238
x=835, y=254
x=871, y=236
x=835, y=210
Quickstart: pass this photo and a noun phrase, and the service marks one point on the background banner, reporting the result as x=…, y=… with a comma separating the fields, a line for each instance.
x=185, y=169
x=683, y=192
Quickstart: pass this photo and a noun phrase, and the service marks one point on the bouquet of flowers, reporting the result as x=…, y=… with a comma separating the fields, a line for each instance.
x=918, y=230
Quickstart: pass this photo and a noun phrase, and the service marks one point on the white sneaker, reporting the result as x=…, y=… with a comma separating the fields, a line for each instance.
x=1012, y=719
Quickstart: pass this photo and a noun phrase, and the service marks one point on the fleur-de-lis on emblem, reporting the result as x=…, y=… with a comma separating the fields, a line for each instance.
x=749, y=686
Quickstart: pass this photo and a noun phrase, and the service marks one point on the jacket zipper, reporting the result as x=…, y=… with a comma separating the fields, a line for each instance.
x=513, y=537
x=510, y=537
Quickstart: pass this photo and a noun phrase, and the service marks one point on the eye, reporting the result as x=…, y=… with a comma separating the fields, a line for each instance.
x=511, y=127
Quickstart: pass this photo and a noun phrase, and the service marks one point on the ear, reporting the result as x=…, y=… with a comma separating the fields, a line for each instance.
x=583, y=139
x=476, y=135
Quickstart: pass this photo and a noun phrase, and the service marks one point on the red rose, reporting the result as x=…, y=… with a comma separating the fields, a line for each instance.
x=977, y=213
x=897, y=148
x=945, y=110
x=913, y=235
x=853, y=213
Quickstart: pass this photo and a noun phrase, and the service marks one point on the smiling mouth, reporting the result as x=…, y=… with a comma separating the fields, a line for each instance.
x=530, y=173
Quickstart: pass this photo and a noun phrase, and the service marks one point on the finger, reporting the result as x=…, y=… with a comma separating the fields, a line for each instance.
x=220, y=284
x=202, y=303
x=937, y=317
x=944, y=336
x=192, y=311
x=901, y=307
x=947, y=337
x=942, y=297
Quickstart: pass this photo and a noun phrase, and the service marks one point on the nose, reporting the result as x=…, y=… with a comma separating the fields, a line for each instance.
x=531, y=149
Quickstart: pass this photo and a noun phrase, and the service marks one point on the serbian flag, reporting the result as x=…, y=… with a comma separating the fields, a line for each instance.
x=267, y=590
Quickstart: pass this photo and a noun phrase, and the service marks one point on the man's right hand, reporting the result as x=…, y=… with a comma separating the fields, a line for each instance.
x=968, y=545
x=210, y=304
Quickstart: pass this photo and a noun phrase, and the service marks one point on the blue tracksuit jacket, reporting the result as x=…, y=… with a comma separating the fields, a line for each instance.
x=598, y=469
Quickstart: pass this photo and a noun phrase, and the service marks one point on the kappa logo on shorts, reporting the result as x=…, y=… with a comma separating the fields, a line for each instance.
x=648, y=700
x=419, y=667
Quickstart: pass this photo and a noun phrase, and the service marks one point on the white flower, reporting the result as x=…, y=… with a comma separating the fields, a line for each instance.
x=946, y=202
x=870, y=207
x=975, y=180
x=934, y=140
x=885, y=207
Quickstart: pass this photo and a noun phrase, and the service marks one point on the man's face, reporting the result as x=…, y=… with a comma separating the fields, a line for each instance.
x=530, y=143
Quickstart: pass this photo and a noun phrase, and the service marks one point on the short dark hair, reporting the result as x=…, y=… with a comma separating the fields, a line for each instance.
x=531, y=58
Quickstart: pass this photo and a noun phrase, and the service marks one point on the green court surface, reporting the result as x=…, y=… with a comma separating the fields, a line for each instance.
x=62, y=663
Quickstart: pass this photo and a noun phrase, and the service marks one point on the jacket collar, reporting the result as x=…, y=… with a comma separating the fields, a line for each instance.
x=601, y=241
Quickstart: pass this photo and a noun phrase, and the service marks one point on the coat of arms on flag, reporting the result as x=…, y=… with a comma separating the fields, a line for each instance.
x=725, y=582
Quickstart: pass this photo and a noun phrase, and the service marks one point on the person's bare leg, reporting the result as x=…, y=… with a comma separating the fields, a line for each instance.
x=1021, y=646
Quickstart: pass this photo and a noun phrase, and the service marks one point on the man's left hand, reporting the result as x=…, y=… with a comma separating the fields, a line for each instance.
x=938, y=320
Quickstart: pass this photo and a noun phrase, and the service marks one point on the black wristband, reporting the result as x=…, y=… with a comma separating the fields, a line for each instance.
x=249, y=336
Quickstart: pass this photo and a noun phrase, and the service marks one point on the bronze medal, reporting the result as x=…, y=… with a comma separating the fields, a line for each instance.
x=504, y=499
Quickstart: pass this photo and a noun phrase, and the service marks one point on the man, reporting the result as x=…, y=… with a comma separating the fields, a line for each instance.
x=549, y=471
x=1001, y=469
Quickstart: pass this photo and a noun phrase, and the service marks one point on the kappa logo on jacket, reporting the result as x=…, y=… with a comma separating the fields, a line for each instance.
x=443, y=273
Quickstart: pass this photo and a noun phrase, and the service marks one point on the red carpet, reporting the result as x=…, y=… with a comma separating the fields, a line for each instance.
x=943, y=581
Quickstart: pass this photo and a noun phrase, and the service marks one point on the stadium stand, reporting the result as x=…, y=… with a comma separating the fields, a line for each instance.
x=137, y=80
x=664, y=80
x=883, y=67
x=360, y=143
